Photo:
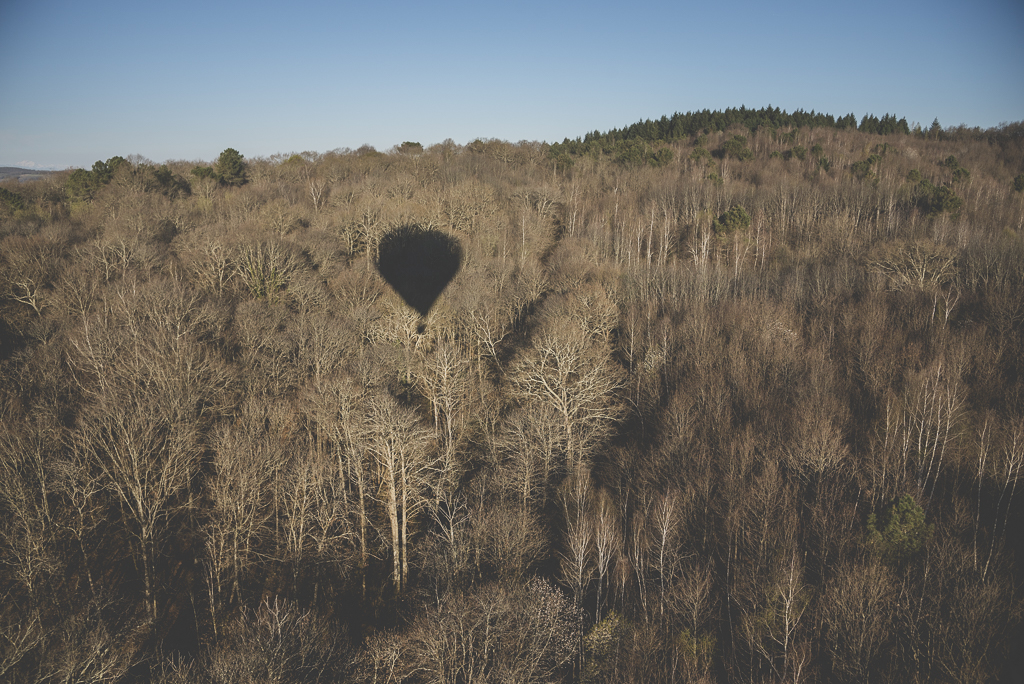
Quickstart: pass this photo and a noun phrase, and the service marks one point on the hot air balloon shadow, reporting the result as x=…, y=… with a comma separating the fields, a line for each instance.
x=418, y=264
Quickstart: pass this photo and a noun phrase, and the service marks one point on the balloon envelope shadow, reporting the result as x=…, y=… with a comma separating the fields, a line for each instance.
x=418, y=263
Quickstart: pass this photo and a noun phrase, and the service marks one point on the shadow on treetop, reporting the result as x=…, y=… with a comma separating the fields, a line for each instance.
x=418, y=264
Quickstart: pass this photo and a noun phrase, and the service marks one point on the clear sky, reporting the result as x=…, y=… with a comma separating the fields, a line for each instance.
x=183, y=79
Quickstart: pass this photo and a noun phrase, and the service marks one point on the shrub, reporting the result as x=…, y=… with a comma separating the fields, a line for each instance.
x=937, y=200
x=170, y=183
x=12, y=200
x=737, y=148
x=735, y=219
x=960, y=174
x=900, y=532
x=865, y=169
x=700, y=153
x=602, y=645
x=661, y=158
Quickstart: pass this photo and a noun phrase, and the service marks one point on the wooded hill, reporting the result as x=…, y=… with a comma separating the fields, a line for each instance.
x=22, y=174
x=730, y=404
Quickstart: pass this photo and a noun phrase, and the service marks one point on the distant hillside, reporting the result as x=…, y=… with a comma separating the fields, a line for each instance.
x=646, y=142
x=692, y=123
x=630, y=144
x=22, y=174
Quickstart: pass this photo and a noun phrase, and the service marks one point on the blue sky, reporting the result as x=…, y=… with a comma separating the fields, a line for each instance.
x=82, y=81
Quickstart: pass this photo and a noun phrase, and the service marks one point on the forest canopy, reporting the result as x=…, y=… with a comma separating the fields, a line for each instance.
x=726, y=396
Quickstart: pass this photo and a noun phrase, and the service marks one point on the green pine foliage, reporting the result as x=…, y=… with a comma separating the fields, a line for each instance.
x=935, y=200
x=11, y=200
x=680, y=126
x=103, y=172
x=169, y=183
x=638, y=153
x=628, y=146
x=735, y=219
x=865, y=169
x=800, y=152
x=204, y=172
x=736, y=147
x=959, y=172
x=602, y=646
x=80, y=185
x=699, y=154
x=900, y=532
x=231, y=168
x=887, y=125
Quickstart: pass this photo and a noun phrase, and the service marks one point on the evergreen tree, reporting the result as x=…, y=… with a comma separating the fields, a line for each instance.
x=735, y=219
x=900, y=532
x=11, y=200
x=230, y=167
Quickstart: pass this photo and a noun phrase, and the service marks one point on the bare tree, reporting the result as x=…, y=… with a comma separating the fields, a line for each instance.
x=319, y=192
x=244, y=463
x=85, y=648
x=338, y=411
x=508, y=539
x=20, y=635
x=29, y=264
x=773, y=629
x=81, y=486
x=323, y=340
x=934, y=410
x=151, y=384
x=1009, y=468
x=607, y=541
x=275, y=643
x=26, y=487
x=147, y=464
x=533, y=440
x=665, y=528
x=209, y=261
x=447, y=551
x=574, y=374
x=499, y=632
x=313, y=516
x=858, y=611
x=692, y=600
x=445, y=384
x=405, y=472
x=579, y=533
x=637, y=549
